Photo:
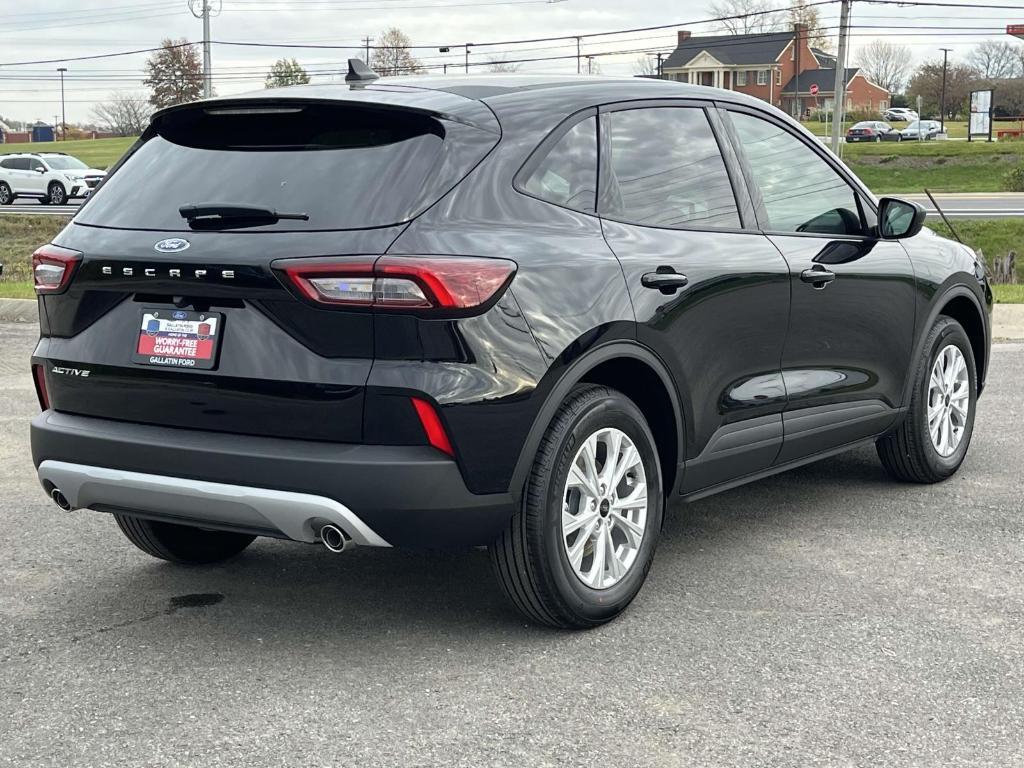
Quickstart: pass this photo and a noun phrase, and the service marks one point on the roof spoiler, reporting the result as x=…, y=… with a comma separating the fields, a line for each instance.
x=359, y=73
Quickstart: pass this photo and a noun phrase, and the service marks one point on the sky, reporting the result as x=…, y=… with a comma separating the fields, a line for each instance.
x=50, y=29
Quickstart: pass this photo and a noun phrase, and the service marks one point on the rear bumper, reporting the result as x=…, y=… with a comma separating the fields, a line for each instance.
x=400, y=495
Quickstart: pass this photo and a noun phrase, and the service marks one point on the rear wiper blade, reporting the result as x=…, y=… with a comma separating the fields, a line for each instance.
x=211, y=212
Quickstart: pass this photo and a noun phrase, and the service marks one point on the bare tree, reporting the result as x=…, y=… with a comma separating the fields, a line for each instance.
x=393, y=55
x=746, y=17
x=996, y=59
x=645, y=64
x=500, y=65
x=123, y=114
x=887, y=64
x=801, y=12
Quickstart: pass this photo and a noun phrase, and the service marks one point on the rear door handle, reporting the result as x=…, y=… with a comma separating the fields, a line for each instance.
x=666, y=282
x=817, y=276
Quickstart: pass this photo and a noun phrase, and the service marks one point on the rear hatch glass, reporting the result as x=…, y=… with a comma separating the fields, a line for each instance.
x=345, y=166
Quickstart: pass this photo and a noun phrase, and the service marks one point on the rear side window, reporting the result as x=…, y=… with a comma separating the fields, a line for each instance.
x=10, y=162
x=346, y=167
x=800, y=191
x=567, y=174
x=667, y=170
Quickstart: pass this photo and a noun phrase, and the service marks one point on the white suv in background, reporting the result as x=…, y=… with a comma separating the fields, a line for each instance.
x=50, y=177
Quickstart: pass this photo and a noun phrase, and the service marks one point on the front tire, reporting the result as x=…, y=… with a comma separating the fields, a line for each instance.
x=57, y=194
x=578, y=550
x=932, y=442
x=6, y=194
x=182, y=544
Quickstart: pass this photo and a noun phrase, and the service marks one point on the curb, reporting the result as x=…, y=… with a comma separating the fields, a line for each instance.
x=1007, y=319
x=18, y=311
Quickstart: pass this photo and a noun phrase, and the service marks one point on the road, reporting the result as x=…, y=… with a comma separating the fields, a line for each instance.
x=825, y=618
x=997, y=205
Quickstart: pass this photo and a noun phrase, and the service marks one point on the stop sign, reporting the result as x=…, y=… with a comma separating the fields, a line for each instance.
x=814, y=89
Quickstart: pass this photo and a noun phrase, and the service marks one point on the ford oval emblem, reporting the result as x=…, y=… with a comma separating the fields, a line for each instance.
x=179, y=315
x=172, y=245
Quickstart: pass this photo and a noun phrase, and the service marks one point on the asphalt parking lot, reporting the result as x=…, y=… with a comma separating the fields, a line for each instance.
x=825, y=617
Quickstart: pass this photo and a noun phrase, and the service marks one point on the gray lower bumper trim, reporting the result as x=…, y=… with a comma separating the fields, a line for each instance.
x=297, y=516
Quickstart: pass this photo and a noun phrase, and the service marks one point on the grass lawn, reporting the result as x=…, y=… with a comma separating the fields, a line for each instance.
x=19, y=236
x=96, y=153
x=941, y=166
x=1009, y=294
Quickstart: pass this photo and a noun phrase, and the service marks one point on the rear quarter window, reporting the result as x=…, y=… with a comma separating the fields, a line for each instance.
x=347, y=167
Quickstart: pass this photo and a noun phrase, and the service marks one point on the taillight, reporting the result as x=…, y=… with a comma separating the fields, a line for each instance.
x=52, y=268
x=39, y=375
x=432, y=426
x=400, y=282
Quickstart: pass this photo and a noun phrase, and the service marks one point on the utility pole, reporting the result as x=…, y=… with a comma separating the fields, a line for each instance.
x=202, y=9
x=659, y=70
x=839, y=92
x=63, y=115
x=796, y=62
x=578, y=69
x=942, y=99
x=467, y=56
x=590, y=65
x=366, y=41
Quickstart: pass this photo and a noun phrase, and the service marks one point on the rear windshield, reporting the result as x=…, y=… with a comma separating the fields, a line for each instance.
x=345, y=167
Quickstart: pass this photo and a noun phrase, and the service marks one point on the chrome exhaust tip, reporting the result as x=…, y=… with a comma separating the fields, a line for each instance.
x=333, y=538
x=60, y=499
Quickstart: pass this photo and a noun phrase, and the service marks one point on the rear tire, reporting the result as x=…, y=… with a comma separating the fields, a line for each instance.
x=570, y=558
x=182, y=544
x=911, y=453
x=6, y=194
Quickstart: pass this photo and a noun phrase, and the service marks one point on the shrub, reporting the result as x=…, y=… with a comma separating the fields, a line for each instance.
x=1014, y=180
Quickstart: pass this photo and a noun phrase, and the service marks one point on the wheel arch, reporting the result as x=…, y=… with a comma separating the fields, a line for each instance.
x=639, y=374
x=962, y=305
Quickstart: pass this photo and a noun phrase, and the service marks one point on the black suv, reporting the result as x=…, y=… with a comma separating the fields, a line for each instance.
x=520, y=312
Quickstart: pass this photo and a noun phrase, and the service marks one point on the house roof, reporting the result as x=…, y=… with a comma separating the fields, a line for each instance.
x=762, y=48
x=824, y=78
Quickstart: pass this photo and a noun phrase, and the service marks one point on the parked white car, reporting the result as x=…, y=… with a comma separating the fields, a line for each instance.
x=922, y=129
x=50, y=177
x=899, y=114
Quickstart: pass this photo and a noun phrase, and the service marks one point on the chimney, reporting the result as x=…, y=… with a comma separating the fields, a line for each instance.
x=684, y=35
x=801, y=31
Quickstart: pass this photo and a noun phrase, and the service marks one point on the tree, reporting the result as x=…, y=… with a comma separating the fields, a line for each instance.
x=285, y=72
x=927, y=83
x=645, y=65
x=802, y=13
x=747, y=17
x=392, y=55
x=123, y=114
x=174, y=74
x=887, y=64
x=996, y=59
x=500, y=65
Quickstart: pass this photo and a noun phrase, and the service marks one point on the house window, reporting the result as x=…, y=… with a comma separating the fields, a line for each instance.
x=762, y=77
x=778, y=77
x=741, y=77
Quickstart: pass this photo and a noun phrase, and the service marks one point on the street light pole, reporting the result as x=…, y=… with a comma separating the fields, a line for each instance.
x=63, y=117
x=942, y=99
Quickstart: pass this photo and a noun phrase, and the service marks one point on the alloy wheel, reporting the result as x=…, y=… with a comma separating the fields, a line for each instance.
x=604, y=508
x=949, y=399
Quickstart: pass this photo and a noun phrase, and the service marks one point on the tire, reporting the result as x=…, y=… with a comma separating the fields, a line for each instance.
x=6, y=193
x=57, y=194
x=531, y=558
x=877, y=139
x=182, y=544
x=910, y=453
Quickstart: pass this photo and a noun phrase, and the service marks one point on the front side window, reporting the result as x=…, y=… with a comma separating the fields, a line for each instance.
x=666, y=170
x=800, y=191
x=567, y=174
x=36, y=165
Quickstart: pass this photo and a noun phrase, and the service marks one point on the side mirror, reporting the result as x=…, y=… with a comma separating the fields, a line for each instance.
x=40, y=170
x=898, y=219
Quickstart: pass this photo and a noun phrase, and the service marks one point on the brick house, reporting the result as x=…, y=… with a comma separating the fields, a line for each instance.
x=770, y=66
